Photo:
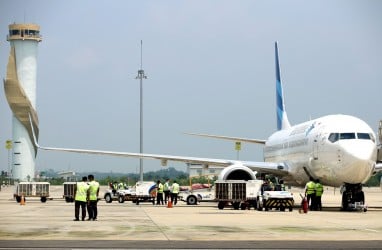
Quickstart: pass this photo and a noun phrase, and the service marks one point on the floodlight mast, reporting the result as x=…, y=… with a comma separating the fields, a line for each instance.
x=141, y=75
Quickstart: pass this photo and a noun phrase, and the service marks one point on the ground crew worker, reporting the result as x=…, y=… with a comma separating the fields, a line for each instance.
x=159, y=193
x=271, y=185
x=310, y=190
x=81, y=196
x=115, y=187
x=166, y=190
x=93, y=198
x=319, y=192
x=265, y=186
x=280, y=186
x=174, y=192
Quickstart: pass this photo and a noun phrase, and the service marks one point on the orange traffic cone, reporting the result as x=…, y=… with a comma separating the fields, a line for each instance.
x=169, y=203
x=22, y=201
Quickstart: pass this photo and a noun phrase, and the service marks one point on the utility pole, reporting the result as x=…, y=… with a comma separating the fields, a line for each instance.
x=141, y=75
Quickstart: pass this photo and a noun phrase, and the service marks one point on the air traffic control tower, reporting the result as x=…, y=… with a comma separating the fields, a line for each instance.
x=20, y=90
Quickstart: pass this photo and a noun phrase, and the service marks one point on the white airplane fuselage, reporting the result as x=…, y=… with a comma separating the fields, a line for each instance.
x=336, y=149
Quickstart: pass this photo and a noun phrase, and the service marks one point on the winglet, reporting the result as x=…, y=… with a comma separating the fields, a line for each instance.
x=282, y=118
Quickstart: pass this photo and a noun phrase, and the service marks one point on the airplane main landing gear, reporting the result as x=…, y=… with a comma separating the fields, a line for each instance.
x=353, y=198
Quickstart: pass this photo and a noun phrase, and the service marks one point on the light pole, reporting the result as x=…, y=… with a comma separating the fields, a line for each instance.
x=141, y=75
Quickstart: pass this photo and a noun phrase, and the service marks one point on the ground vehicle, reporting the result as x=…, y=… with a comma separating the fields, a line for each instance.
x=241, y=194
x=69, y=191
x=198, y=195
x=144, y=191
x=111, y=196
x=31, y=189
x=274, y=199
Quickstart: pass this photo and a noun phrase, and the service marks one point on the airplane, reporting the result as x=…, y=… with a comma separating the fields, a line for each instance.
x=336, y=149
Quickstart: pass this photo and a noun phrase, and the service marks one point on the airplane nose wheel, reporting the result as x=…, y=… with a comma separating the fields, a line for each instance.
x=353, y=198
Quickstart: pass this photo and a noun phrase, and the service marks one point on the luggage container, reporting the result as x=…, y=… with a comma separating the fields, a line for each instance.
x=69, y=194
x=241, y=194
x=31, y=189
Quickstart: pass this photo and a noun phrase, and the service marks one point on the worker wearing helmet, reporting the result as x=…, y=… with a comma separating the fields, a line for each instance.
x=93, y=198
x=81, y=196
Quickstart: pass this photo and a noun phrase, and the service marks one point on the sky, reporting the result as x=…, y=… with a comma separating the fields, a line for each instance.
x=210, y=68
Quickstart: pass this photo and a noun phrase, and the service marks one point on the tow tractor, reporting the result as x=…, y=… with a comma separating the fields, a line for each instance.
x=142, y=192
x=275, y=199
x=113, y=195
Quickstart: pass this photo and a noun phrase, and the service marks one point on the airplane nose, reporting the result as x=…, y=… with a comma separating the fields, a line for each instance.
x=365, y=152
x=360, y=158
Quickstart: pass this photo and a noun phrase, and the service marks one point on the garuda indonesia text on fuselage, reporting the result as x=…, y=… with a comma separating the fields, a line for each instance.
x=337, y=149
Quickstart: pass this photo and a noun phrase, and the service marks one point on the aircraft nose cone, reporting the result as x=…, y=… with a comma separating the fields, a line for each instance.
x=365, y=153
x=360, y=157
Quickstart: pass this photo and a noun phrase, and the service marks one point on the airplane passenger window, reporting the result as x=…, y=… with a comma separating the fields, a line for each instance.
x=347, y=136
x=364, y=136
x=333, y=137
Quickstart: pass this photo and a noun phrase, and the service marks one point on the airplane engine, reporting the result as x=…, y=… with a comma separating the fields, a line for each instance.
x=237, y=172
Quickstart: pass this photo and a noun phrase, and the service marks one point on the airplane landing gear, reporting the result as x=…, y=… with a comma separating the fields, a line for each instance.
x=353, y=197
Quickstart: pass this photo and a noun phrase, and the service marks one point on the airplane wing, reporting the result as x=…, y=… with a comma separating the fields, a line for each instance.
x=239, y=139
x=268, y=167
x=276, y=168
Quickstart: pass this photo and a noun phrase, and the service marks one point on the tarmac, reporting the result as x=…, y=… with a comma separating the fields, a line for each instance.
x=50, y=225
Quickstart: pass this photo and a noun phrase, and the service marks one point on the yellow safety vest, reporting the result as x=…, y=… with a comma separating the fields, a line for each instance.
x=166, y=187
x=93, y=188
x=311, y=186
x=319, y=189
x=160, y=188
x=82, y=189
x=175, y=188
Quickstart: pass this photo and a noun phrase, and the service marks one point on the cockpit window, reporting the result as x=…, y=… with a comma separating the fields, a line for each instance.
x=365, y=136
x=347, y=136
x=333, y=137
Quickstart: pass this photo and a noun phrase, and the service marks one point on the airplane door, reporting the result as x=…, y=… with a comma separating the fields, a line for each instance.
x=315, y=148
